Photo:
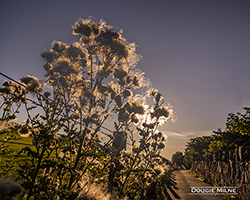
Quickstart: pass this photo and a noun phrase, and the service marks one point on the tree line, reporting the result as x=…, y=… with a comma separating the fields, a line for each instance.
x=235, y=135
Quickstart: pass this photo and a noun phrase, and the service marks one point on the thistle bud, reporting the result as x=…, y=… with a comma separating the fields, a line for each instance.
x=150, y=126
x=127, y=93
x=128, y=79
x=161, y=145
x=135, y=119
x=46, y=94
x=153, y=92
x=6, y=83
x=47, y=66
x=128, y=107
x=123, y=115
x=158, y=97
x=103, y=89
x=136, y=82
x=119, y=73
x=23, y=130
x=121, y=82
x=12, y=117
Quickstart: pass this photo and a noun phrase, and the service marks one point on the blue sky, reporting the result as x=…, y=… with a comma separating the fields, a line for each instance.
x=195, y=52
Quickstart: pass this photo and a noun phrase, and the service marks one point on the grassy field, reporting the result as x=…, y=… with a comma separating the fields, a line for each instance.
x=10, y=145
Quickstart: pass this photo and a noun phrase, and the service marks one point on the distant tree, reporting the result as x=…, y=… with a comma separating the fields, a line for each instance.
x=215, y=146
x=177, y=158
x=237, y=132
x=195, y=148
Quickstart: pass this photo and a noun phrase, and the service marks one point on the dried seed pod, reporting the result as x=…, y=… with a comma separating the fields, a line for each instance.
x=23, y=130
x=158, y=171
x=138, y=108
x=161, y=111
x=48, y=56
x=32, y=83
x=27, y=79
x=82, y=27
x=58, y=46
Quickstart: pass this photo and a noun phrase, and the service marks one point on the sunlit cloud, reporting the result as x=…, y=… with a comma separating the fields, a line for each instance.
x=187, y=134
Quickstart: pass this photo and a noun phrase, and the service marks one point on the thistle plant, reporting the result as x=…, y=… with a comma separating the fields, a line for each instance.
x=13, y=96
x=143, y=165
x=87, y=83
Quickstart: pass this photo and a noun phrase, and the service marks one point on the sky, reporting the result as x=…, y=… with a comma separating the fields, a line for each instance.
x=195, y=52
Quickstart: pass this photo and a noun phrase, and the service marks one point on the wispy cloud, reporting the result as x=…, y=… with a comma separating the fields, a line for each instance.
x=177, y=140
x=187, y=134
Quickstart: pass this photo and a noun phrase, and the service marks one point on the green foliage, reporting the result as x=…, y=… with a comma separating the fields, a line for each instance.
x=236, y=134
x=195, y=148
x=215, y=146
x=177, y=158
x=92, y=80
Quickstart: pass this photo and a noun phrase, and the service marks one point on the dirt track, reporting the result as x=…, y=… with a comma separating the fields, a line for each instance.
x=182, y=180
